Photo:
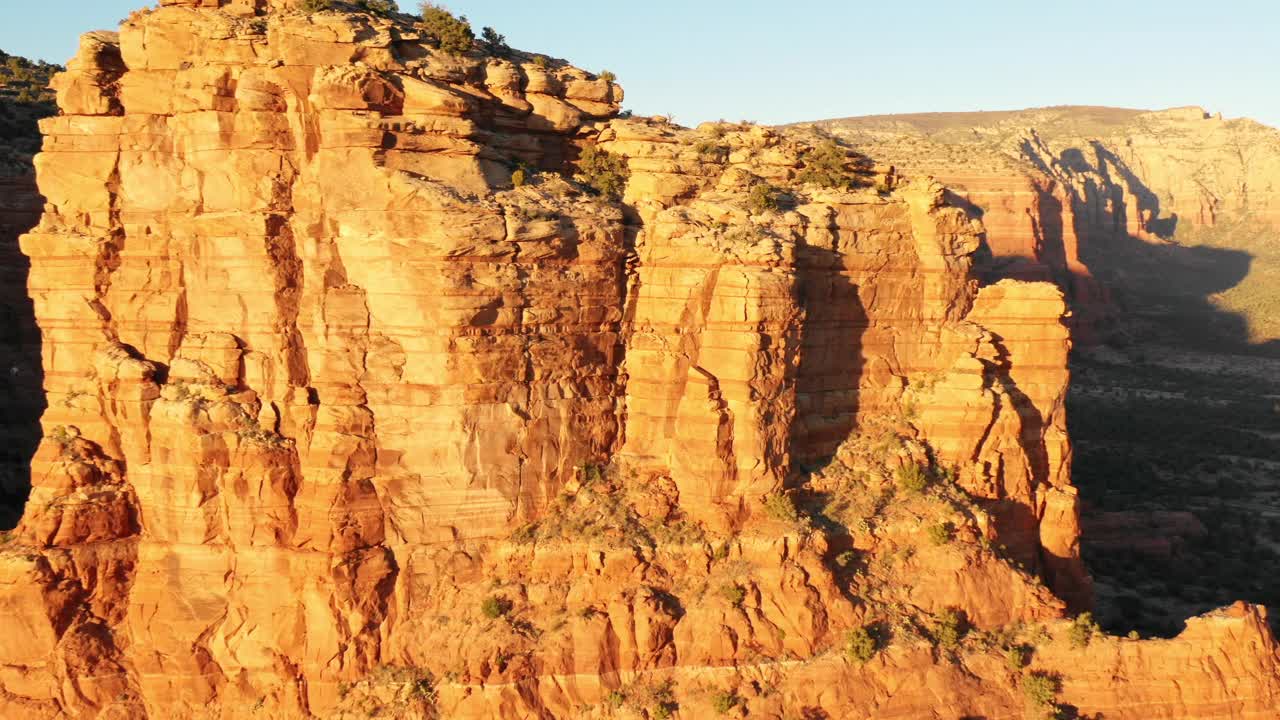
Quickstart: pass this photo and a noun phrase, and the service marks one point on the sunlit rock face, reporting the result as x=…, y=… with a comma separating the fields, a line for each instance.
x=329, y=400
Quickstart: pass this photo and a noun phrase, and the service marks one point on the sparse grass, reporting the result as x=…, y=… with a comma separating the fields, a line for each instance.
x=608, y=77
x=603, y=510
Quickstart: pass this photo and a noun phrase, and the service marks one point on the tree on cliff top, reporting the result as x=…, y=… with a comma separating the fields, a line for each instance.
x=452, y=32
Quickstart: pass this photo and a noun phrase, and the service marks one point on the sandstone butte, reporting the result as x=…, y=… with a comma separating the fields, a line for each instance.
x=1061, y=190
x=342, y=424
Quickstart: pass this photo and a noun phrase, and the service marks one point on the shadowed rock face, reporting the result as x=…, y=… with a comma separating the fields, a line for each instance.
x=330, y=401
x=24, y=99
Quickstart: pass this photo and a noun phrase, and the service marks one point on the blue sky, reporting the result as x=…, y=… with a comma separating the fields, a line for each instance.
x=797, y=60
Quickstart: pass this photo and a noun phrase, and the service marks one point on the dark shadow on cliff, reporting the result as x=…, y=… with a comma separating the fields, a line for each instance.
x=831, y=358
x=1175, y=431
x=827, y=382
x=22, y=399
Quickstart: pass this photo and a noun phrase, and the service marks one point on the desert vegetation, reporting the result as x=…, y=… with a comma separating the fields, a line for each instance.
x=602, y=172
x=452, y=32
x=25, y=98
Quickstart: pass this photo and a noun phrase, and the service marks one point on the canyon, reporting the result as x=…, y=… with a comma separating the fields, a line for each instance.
x=363, y=396
x=1161, y=229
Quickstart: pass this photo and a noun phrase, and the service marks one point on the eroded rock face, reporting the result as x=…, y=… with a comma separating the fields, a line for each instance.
x=329, y=400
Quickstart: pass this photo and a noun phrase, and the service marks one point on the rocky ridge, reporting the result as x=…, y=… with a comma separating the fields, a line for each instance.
x=343, y=421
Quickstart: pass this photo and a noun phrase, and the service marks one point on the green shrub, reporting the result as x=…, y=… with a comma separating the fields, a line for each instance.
x=949, y=629
x=453, y=33
x=1082, y=630
x=781, y=507
x=734, y=593
x=315, y=6
x=940, y=534
x=710, y=149
x=591, y=474
x=615, y=699
x=519, y=178
x=603, y=172
x=1040, y=690
x=1016, y=658
x=861, y=645
x=541, y=61
x=382, y=8
x=608, y=77
x=724, y=701
x=912, y=479
x=424, y=687
x=827, y=166
x=763, y=198
x=495, y=607
x=494, y=42
x=658, y=700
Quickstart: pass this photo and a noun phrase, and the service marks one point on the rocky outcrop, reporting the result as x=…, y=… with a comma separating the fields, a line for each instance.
x=348, y=419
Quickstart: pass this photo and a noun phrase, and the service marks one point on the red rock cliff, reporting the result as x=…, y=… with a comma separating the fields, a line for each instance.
x=331, y=405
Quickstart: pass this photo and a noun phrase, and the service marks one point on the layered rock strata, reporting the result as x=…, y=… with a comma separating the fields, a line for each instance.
x=342, y=423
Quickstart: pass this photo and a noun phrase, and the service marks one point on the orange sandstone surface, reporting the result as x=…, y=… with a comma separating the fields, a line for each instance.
x=342, y=424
